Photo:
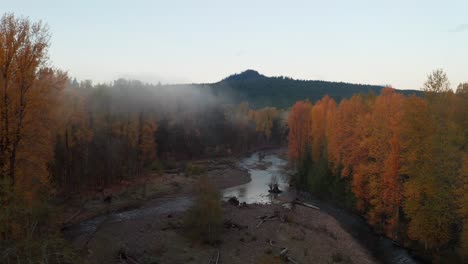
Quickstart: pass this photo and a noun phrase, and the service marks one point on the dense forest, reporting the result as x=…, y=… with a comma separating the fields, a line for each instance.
x=282, y=92
x=112, y=132
x=59, y=136
x=400, y=161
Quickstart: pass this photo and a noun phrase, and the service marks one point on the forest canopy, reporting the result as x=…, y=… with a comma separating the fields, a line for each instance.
x=398, y=160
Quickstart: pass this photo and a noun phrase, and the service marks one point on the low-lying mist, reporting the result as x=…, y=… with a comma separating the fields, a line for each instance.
x=118, y=130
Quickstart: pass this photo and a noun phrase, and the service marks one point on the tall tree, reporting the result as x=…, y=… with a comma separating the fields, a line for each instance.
x=431, y=140
x=29, y=93
x=299, y=123
x=463, y=207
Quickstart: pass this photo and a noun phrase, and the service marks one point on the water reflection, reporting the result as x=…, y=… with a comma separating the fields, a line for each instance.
x=262, y=168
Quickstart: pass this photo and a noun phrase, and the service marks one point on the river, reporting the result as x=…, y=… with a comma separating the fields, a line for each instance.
x=262, y=168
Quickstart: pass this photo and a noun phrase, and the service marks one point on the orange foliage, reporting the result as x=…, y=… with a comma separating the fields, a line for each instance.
x=299, y=123
x=319, y=122
x=400, y=153
x=29, y=97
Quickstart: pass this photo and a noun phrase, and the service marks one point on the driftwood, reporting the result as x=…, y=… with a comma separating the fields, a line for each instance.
x=172, y=226
x=173, y=171
x=298, y=202
x=108, y=199
x=231, y=225
x=65, y=223
x=215, y=258
x=293, y=261
x=124, y=258
x=284, y=253
x=271, y=243
x=275, y=214
x=267, y=218
x=78, y=212
x=234, y=201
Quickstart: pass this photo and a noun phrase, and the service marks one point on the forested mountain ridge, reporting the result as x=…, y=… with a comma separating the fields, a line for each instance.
x=282, y=92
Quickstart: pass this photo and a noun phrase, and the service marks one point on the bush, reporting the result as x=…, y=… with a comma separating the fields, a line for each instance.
x=340, y=258
x=194, y=169
x=157, y=166
x=269, y=259
x=203, y=221
x=28, y=233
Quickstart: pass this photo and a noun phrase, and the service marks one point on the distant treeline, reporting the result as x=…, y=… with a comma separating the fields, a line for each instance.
x=400, y=161
x=282, y=92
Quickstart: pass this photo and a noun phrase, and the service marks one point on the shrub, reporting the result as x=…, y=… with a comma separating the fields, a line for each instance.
x=157, y=166
x=269, y=259
x=340, y=258
x=194, y=169
x=203, y=221
x=28, y=233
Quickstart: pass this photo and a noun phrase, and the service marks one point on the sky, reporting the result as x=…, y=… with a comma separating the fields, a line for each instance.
x=374, y=42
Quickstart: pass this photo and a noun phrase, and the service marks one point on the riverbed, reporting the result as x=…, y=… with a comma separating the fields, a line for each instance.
x=262, y=167
x=255, y=191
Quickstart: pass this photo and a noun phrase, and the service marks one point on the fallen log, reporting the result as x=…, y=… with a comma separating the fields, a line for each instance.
x=213, y=259
x=172, y=226
x=64, y=224
x=264, y=216
x=306, y=204
x=284, y=253
x=173, y=171
x=231, y=225
x=293, y=261
x=217, y=258
x=125, y=258
x=269, y=218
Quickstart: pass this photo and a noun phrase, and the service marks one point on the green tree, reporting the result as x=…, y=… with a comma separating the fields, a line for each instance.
x=203, y=221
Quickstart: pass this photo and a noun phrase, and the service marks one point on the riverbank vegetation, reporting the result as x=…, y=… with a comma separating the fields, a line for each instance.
x=398, y=160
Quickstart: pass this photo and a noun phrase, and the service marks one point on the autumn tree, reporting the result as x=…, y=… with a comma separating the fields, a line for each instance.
x=23, y=54
x=404, y=158
x=319, y=120
x=431, y=140
x=29, y=98
x=385, y=184
x=146, y=145
x=299, y=123
x=264, y=119
x=463, y=207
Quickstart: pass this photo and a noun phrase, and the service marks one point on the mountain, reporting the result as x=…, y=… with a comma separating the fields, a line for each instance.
x=282, y=92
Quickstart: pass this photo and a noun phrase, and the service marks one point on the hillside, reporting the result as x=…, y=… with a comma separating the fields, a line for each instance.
x=261, y=91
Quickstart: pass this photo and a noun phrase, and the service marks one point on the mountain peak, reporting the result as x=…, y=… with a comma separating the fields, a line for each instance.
x=245, y=75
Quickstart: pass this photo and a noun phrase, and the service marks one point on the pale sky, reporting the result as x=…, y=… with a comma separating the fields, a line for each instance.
x=376, y=42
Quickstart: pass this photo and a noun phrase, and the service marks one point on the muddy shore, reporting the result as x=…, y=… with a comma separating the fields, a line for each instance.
x=149, y=227
x=153, y=188
x=311, y=236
